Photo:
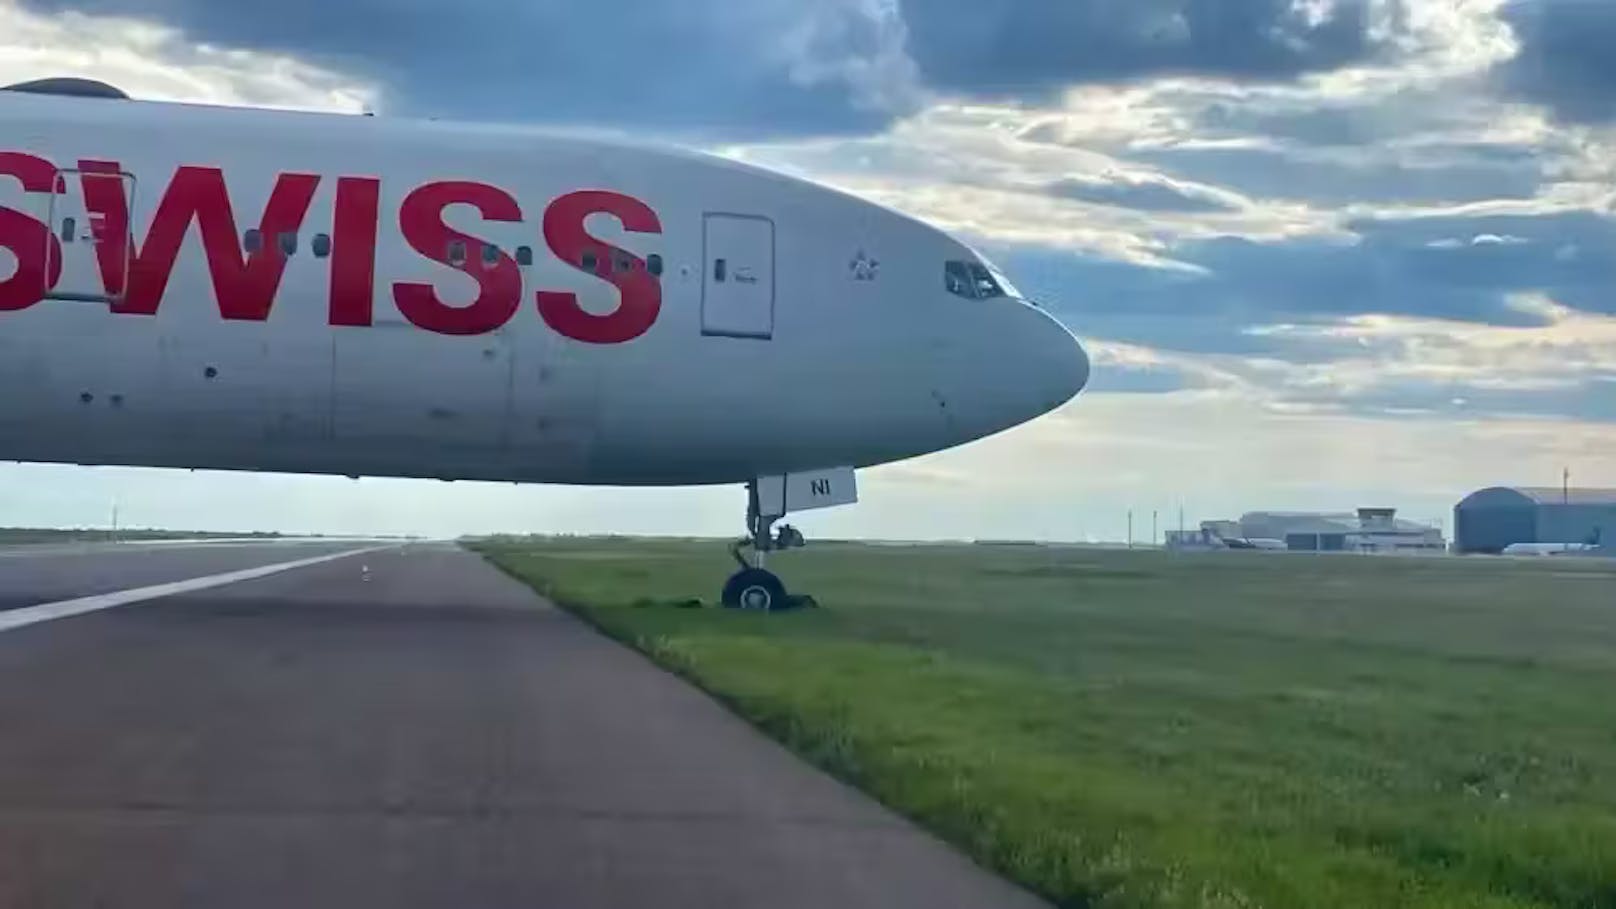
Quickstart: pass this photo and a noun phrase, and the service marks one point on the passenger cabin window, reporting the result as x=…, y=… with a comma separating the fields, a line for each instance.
x=971, y=280
x=321, y=245
x=524, y=255
x=490, y=254
x=653, y=264
x=621, y=262
x=288, y=243
x=252, y=241
x=587, y=260
x=457, y=253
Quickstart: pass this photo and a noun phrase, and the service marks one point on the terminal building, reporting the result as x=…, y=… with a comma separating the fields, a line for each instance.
x=1367, y=530
x=1492, y=520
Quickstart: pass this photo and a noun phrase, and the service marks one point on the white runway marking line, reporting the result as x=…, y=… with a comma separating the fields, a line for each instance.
x=45, y=612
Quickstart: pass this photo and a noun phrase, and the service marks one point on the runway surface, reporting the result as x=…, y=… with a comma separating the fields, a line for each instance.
x=400, y=728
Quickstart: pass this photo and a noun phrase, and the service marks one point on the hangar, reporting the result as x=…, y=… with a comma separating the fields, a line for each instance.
x=1369, y=530
x=1489, y=520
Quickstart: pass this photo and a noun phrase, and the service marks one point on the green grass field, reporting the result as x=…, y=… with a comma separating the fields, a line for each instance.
x=1143, y=729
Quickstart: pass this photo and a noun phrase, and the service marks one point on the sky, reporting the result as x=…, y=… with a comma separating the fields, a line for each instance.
x=1324, y=253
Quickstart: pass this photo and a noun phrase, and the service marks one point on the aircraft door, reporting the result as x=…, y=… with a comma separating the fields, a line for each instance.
x=737, y=298
x=84, y=237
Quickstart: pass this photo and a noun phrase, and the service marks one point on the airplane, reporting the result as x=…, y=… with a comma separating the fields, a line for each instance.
x=202, y=287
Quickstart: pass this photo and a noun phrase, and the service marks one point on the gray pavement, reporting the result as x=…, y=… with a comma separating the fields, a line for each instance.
x=422, y=732
x=36, y=574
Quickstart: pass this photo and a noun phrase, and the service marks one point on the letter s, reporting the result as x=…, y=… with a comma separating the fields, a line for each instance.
x=499, y=283
x=30, y=241
x=640, y=292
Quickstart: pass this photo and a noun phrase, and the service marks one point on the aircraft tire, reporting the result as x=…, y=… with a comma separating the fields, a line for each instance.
x=754, y=588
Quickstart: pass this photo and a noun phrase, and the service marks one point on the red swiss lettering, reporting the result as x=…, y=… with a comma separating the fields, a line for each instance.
x=639, y=292
x=499, y=283
x=245, y=283
x=30, y=241
x=353, y=250
x=244, y=289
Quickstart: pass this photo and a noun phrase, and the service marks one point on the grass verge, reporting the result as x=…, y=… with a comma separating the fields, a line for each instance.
x=1137, y=729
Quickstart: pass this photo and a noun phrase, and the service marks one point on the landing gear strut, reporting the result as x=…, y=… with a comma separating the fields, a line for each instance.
x=753, y=586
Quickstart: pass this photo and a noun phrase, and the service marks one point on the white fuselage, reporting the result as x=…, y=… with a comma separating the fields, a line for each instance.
x=382, y=297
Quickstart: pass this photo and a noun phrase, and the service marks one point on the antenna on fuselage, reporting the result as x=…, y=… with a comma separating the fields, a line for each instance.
x=69, y=86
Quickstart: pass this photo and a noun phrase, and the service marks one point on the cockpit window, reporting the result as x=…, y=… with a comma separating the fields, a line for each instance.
x=971, y=280
x=986, y=287
x=1005, y=285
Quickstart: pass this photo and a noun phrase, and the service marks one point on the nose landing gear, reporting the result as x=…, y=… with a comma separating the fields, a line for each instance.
x=768, y=499
x=754, y=586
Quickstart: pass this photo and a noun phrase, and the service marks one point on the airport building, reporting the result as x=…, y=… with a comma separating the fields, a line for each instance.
x=1492, y=520
x=1367, y=530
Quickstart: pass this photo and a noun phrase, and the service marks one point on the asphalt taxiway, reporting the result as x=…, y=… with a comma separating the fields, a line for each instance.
x=279, y=724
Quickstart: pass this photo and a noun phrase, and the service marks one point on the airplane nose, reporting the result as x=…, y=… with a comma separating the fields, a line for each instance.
x=1056, y=363
x=1013, y=364
x=1063, y=363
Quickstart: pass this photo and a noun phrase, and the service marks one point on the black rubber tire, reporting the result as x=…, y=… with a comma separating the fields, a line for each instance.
x=754, y=588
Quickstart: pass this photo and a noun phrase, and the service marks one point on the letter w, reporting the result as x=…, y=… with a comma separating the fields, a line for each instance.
x=244, y=287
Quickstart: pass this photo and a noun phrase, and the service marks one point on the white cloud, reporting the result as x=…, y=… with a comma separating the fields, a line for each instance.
x=1478, y=240
x=156, y=62
x=1252, y=432
x=1424, y=123
x=1439, y=40
x=859, y=43
x=1404, y=356
x=971, y=169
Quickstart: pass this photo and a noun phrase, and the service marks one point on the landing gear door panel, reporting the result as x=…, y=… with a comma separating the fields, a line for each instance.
x=737, y=298
x=783, y=494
